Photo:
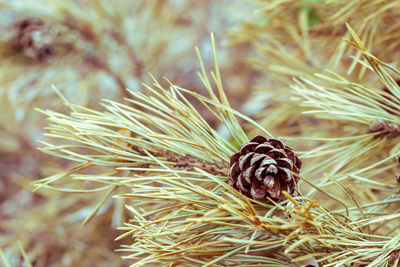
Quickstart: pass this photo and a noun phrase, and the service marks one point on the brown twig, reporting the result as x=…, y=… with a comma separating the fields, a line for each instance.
x=190, y=163
x=187, y=162
x=385, y=129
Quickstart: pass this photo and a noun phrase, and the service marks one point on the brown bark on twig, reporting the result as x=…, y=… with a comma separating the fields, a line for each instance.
x=385, y=129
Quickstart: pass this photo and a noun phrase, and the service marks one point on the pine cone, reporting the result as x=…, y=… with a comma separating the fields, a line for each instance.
x=262, y=168
x=34, y=39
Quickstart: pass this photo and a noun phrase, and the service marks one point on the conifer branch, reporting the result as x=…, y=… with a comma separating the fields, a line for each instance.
x=170, y=167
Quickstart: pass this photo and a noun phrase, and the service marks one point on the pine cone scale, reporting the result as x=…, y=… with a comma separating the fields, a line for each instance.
x=275, y=190
x=249, y=147
x=285, y=174
x=259, y=139
x=257, y=159
x=269, y=181
x=264, y=148
x=277, y=153
x=268, y=161
x=285, y=162
x=248, y=173
x=259, y=174
x=289, y=153
x=263, y=169
x=242, y=184
x=244, y=161
x=258, y=190
x=272, y=169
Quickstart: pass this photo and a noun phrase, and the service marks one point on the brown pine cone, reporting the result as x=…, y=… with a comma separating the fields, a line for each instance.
x=262, y=168
x=34, y=39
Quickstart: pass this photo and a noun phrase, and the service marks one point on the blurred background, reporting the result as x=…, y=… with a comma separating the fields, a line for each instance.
x=94, y=49
x=89, y=50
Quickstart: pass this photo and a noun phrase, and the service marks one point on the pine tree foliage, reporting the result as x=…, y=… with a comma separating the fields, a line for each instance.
x=169, y=166
x=300, y=38
x=155, y=164
x=346, y=97
x=370, y=116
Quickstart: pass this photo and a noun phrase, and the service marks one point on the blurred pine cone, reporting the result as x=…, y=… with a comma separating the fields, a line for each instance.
x=34, y=38
x=262, y=168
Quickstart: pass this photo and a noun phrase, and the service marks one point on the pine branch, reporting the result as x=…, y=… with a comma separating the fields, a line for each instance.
x=172, y=166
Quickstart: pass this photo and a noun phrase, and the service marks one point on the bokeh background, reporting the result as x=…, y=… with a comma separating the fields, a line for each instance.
x=94, y=49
